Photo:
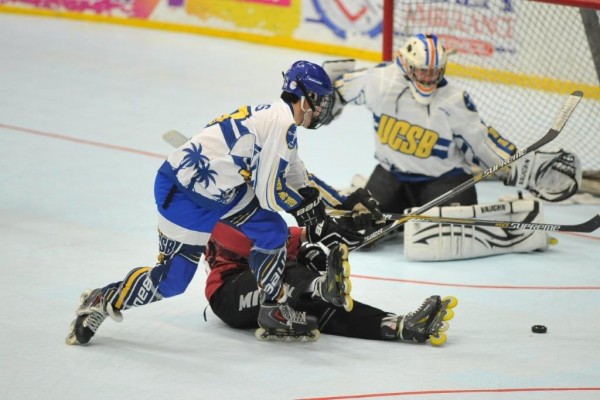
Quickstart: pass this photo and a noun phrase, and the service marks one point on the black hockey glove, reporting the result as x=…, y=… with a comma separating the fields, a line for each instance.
x=313, y=256
x=333, y=231
x=311, y=210
x=360, y=202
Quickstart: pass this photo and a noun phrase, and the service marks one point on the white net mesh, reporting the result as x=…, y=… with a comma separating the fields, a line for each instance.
x=518, y=59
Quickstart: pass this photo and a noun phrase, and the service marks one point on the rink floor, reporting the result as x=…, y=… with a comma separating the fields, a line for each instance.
x=82, y=110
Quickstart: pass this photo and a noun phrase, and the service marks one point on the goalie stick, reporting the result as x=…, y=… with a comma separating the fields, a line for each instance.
x=560, y=121
x=588, y=226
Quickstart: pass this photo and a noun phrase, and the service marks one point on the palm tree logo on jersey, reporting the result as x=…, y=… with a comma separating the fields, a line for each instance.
x=195, y=159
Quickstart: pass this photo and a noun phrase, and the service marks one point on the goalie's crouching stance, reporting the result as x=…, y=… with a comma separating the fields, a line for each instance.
x=316, y=282
x=551, y=176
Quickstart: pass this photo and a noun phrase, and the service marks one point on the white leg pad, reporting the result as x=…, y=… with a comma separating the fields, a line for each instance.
x=425, y=241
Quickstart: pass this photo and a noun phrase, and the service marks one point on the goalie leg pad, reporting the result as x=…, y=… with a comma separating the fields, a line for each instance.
x=439, y=242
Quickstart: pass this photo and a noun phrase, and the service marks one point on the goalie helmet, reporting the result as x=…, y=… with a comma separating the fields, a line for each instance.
x=423, y=62
x=310, y=81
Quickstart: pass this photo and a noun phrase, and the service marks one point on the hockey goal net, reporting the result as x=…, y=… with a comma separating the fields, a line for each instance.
x=517, y=59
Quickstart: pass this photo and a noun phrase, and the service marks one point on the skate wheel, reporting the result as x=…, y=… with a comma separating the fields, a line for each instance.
x=347, y=286
x=314, y=335
x=345, y=251
x=448, y=315
x=438, y=339
x=348, y=303
x=445, y=326
x=260, y=334
x=346, y=266
x=72, y=338
x=451, y=300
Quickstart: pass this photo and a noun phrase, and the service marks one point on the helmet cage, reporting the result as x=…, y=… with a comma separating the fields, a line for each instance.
x=309, y=81
x=317, y=103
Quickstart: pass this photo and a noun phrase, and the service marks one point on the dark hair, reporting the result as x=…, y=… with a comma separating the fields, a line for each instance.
x=289, y=97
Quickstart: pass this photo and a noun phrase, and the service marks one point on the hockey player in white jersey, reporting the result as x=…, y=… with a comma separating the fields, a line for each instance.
x=241, y=169
x=428, y=133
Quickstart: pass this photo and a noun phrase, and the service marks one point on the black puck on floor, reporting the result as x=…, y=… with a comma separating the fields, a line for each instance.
x=539, y=329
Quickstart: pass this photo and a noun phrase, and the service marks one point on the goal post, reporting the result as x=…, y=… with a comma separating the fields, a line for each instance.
x=517, y=59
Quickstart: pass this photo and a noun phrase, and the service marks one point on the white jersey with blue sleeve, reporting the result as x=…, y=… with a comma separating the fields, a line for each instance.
x=254, y=147
x=417, y=142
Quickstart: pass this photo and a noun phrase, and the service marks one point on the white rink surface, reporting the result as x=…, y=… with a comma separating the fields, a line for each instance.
x=82, y=110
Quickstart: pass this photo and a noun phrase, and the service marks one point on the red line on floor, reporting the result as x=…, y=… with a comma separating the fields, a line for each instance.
x=475, y=286
x=82, y=141
x=465, y=391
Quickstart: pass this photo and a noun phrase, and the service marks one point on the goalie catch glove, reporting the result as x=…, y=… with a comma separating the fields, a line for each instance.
x=335, y=230
x=362, y=202
x=311, y=210
x=551, y=176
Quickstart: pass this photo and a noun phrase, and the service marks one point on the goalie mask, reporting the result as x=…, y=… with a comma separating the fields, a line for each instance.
x=423, y=62
x=311, y=85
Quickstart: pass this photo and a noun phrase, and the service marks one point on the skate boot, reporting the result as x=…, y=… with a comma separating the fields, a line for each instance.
x=92, y=311
x=279, y=321
x=429, y=322
x=334, y=285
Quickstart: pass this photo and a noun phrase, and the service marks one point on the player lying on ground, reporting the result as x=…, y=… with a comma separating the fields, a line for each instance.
x=315, y=282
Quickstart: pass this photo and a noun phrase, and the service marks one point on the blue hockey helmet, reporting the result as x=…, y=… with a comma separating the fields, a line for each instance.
x=310, y=81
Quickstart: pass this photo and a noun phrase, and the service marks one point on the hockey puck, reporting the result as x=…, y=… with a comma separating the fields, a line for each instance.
x=539, y=329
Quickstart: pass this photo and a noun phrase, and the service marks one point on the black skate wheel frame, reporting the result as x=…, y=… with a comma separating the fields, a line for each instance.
x=539, y=329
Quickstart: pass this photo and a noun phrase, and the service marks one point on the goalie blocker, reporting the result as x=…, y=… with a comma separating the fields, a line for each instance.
x=439, y=242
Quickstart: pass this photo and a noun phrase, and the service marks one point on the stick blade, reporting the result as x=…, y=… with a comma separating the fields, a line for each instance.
x=588, y=226
x=566, y=110
x=174, y=138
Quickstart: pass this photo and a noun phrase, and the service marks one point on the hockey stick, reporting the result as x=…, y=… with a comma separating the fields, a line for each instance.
x=174, y=138
x=560, y=121
x=588, y=226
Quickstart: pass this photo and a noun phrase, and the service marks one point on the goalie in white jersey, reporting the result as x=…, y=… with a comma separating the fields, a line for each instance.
x=428, y=133
x=241, y=169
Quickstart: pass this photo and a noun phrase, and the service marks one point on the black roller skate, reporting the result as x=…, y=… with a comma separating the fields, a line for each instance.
x=279, y=321
x=92, y=311
x=335, y=286
x=428, y=323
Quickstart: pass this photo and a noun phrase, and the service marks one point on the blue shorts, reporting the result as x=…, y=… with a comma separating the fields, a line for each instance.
x=183, y=220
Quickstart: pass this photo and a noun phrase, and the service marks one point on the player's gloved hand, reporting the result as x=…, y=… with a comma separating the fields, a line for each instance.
x=311, y=210
x=551, y=176
x=335, y=230
x=313, y=256
x=362, y=203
